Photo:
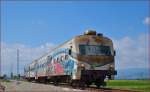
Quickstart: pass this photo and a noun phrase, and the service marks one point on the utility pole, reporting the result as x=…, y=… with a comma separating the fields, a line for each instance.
x=18, y=63
x=0, y=59
x=0, y=63
x=11, y=69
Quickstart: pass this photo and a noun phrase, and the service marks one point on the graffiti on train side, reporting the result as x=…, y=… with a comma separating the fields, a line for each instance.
x=61, y=63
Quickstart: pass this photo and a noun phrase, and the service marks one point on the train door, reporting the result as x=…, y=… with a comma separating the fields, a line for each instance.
x=36, y=69
x=79, y=69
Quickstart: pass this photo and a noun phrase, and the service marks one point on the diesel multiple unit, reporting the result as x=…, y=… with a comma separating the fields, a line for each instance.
x=83, y=60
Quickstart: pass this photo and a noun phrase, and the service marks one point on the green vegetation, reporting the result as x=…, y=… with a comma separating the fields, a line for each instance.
x=137, y=85
x=4, y=80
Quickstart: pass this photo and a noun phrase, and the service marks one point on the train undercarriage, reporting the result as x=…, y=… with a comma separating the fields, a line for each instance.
x=88, y=77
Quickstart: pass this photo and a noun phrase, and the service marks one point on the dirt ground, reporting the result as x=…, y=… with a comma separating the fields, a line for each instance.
x=21, y=86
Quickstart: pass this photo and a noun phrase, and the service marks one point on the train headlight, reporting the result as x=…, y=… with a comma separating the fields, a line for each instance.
x=82, y=65
x=111, y=66
x=73, y=77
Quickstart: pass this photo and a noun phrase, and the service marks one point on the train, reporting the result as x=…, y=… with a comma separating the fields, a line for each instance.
x=84, y=60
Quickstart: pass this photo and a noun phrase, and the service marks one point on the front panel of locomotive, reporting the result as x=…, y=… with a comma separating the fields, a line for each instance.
x=95, y=55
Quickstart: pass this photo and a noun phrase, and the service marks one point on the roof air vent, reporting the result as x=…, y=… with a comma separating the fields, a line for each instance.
x=99, y=34
x=90, y=32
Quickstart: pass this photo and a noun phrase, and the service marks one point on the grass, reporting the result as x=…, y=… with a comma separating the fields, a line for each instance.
x=3, y=80
x=137, y=85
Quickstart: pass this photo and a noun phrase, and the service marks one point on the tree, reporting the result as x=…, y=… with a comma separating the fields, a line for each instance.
x=4, y=76
x=12, y=76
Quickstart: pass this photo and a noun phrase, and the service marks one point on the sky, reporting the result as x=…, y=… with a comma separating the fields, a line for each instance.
x=36, y=27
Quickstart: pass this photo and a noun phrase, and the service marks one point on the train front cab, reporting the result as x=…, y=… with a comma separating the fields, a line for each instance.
x=88, y=57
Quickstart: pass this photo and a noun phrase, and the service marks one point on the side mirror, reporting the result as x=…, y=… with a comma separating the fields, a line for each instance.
x=114, y=53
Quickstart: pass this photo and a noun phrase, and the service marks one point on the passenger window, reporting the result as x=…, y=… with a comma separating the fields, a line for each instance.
x=70, y=51
x=49, y=58
x=58, y=60
x=61, y=59
x=66, y=57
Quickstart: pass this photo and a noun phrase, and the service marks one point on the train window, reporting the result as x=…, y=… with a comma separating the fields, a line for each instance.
x=54, y=61
x=82, y=49
x=57, y=59
x=49, y=58
x=66, y=57
x=94, y=50
x=61, y=59
x=70, y=51
x=105, y=50
x=38, y=65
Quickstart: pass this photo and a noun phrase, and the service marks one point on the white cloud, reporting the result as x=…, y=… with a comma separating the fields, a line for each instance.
x=27, y=55
x=147, y=21
x=132, y=53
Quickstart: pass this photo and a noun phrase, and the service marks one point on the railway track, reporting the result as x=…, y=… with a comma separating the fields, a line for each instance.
x=95, y=89
x=109, y=90
x=41, y=87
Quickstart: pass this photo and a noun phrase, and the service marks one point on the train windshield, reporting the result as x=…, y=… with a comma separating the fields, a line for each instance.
x=94, y=50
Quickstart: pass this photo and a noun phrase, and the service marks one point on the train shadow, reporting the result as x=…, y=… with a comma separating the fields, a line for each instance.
x=69, y=86
x=91, y=87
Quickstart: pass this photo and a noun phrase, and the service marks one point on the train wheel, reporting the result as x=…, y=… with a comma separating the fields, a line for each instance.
x=74, y=84
x=46, y=81
x=100, y=82
x=104, y=84
x=56, y=83
x=88, y=84
x=82, y=85
x=98, y=85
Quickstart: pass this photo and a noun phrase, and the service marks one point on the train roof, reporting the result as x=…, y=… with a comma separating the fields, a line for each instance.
x=49, y=51
x=88, y=32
